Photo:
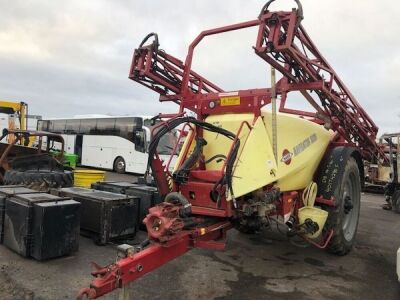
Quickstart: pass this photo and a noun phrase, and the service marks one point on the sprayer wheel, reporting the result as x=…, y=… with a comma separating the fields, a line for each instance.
x=343, y=217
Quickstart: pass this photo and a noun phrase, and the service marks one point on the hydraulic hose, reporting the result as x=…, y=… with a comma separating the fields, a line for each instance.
x=154, y=45
x=170, y=125
x=177, y=198
x=309, y=194
x=218, y=157
x=300, y=15
x=191, y=161
x=149, y=36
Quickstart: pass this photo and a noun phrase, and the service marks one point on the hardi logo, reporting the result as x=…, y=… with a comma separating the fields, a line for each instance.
x=286, y=157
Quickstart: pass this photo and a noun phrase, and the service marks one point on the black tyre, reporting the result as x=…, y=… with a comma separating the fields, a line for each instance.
x=346, y=190
x=41, y=180
x=119, y=165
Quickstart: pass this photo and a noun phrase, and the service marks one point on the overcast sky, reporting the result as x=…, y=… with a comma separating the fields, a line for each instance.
x=72, y=57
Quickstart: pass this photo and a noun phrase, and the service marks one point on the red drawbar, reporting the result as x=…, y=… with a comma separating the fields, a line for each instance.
x=128, y=269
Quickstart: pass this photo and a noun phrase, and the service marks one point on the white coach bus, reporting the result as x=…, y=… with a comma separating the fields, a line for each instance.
x=112, y=143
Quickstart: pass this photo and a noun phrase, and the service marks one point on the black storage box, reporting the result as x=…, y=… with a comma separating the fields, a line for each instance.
x=145, y=181
x=5, y=192
x=55, y=229
x=118, y=187
x=105, y=216
x=71, y=190
x=20, y=224
x=17, y=225
x=11, y=190
x=149, y=197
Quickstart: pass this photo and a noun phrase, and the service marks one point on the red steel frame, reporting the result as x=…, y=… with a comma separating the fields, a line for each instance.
x=284, y=44
x=301, y=63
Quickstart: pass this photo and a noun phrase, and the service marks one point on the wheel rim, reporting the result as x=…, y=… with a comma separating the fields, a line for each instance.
x=351, y=207
x=120, y=165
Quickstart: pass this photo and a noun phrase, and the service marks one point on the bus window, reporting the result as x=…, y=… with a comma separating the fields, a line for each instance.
x=43, y=125
x=167, y=143
x=72, y=126
x=58, y=126
x=105, y=126
x=124, y=128
x=88, y=126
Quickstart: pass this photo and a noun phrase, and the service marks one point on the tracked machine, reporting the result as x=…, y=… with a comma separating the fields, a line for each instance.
x=245, y=162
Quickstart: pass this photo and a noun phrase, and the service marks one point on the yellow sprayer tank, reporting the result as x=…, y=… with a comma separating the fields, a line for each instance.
x=301, y=145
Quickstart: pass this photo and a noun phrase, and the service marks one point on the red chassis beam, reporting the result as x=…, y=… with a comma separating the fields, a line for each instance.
x=134, y=266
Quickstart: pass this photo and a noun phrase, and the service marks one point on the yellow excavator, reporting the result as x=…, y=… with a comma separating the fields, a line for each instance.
x=15, y=108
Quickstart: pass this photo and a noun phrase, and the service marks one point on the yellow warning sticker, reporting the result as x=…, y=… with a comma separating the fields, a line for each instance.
x=228, y=101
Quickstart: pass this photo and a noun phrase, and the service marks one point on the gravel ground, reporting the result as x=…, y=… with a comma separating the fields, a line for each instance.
x=11, y=290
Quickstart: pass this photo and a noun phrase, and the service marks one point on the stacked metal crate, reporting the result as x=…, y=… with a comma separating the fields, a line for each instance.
x=148, y=195
x=105, y=216
x=7, y=192
x=39, y=225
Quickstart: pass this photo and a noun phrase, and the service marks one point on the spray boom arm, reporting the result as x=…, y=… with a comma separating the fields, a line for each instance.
x=284, y=44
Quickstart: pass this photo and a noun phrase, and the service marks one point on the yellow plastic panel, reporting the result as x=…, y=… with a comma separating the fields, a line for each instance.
x=304, y=143
x=255, y=165
x=219, y=144
x=301, y=146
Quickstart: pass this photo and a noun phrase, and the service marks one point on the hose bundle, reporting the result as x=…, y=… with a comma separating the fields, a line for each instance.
x=309, y=194
x=172, y=124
